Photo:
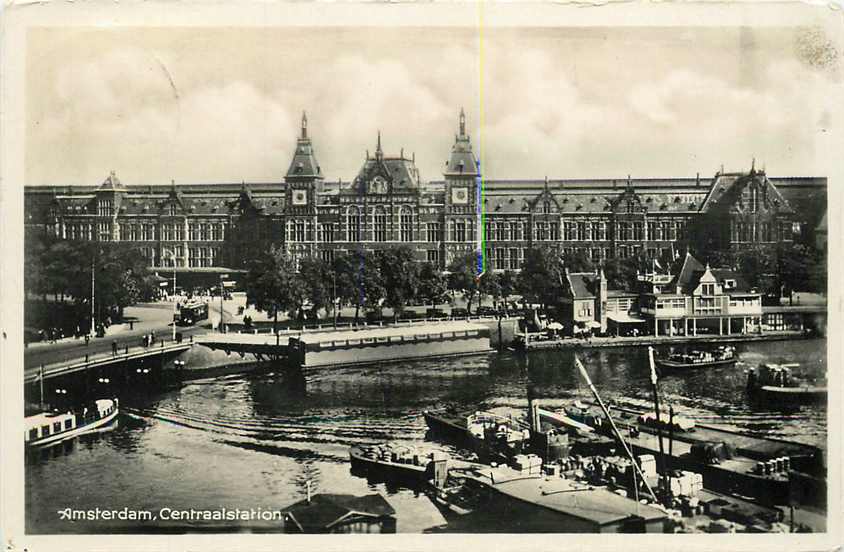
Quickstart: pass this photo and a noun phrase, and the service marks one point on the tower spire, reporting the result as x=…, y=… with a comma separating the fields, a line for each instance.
x=304, y=125
x=462, y=122
x=378, y=152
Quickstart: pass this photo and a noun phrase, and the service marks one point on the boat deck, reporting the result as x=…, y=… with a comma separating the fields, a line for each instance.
x=577, y=500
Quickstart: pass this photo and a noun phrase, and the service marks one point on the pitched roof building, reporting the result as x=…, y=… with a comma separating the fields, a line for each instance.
x=389, y=203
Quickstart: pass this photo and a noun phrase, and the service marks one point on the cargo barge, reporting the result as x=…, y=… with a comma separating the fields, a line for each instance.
x=553, y=504
x=730, y=463
x=391, y=463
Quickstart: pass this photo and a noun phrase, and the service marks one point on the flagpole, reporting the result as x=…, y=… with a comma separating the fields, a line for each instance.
x=41, y=385
x=654, y=380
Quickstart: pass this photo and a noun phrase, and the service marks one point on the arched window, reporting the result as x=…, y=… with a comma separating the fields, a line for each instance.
x=406, y=223
x=353, y=224
x=380, y=224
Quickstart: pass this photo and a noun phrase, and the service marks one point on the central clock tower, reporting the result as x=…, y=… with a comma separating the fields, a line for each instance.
x=304, y=177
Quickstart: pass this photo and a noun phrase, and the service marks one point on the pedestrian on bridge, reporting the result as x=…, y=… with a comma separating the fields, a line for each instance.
x=114, y=348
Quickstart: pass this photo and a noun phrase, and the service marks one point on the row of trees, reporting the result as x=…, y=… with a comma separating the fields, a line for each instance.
x=59, y=271
x=777, y=269
x=392, y=278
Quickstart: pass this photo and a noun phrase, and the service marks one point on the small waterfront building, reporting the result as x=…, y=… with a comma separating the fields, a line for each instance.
x=701, y=300
x=340, y=513
x=588, y=305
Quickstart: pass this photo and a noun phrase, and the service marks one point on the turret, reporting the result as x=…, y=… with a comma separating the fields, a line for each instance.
x=462, y=161
x=304, y=166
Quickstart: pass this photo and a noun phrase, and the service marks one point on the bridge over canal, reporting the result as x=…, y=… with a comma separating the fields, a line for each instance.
x=108, y=359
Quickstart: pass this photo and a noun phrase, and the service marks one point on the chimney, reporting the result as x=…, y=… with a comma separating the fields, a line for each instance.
x=697, y=179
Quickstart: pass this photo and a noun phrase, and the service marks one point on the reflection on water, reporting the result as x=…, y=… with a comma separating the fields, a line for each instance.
x=253, y=441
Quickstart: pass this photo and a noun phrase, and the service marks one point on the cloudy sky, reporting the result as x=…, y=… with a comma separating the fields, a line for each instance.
x=223, y=105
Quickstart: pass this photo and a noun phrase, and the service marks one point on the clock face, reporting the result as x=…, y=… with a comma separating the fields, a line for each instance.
x=300, y=197
x=460, y=196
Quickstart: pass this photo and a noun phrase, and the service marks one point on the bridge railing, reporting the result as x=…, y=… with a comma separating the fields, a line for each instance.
x=360, y=325
x=126, y=352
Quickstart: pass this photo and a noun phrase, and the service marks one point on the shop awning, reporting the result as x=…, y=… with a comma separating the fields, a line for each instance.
x=624, y=318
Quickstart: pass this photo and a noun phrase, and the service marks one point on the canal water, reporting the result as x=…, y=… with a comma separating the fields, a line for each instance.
x=252, y=441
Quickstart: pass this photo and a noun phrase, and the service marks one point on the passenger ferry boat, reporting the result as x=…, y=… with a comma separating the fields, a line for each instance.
x=46, y=428
x=775, y=382
x=722, y=356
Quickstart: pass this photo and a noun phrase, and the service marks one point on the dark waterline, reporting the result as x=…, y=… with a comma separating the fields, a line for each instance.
x=252, y=441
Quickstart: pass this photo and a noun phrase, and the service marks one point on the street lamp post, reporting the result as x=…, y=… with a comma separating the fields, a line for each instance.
x=93, y=312
x=334, y=288
x=222, y=276
x=173, y=258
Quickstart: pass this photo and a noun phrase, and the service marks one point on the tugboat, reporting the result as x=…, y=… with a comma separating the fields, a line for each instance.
x=491, y=436
x=776, y=383
x=722, y=356
x=47, y=428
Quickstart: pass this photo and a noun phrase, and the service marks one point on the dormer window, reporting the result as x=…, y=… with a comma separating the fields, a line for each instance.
x=172, y=209
x=729, y=284
x=104, y=208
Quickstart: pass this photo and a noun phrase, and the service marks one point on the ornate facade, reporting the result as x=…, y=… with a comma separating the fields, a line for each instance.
x=214, y=228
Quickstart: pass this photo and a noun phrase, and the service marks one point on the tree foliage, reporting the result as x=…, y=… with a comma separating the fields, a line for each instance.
x=540, y=280
x=432, y=285
x=273, y=285
x=462, y=277
x=64, y=269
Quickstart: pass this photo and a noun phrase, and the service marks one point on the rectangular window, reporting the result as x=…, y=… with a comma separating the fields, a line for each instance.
x=515, y=263
x=570, y=231
x=638, y=231
x=433, y=256
x=435, y=232
x=581, y=231
x=299, y=231
x=503, y=231
x=327, y=255
x=68, y=424
x=653, y=231
x=460, y=230
x=104, y=231
x=326, y=232
x=541, y=231
x=515, y=231
x=596, y=254
x=554, y=231
x=405, y=225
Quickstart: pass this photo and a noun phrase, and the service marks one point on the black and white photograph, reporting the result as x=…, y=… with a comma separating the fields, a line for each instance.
x=352, y=269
